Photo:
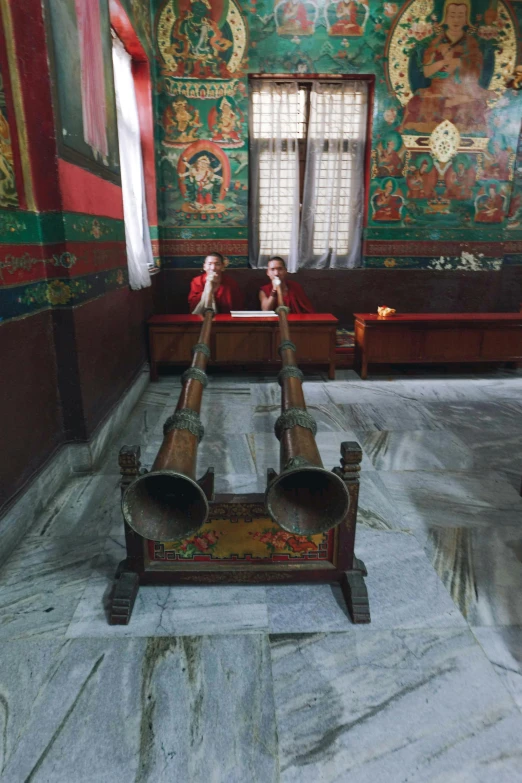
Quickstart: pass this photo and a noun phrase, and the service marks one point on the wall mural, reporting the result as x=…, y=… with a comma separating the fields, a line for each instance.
x=203, y=152
x=85, y=111
x=8, y=194
x=446, y=65
x=202, y=119
x=445, y=128
x=201, y=38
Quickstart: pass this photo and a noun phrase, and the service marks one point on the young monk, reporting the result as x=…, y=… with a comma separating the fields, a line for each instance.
x=293, y=295
x=214, y=288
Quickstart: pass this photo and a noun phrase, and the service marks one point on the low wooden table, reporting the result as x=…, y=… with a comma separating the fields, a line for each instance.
x=437, y=337
x=242, y=341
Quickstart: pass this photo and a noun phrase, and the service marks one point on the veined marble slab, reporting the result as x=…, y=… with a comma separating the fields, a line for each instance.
x=393, y=706
x=391, y=416
x=314, y=392
x=265, y=450
x=482, y=569
x=355, y=391
x=416, y=450
x=227, y=454
x=376, y=509
x=221, y=418
x=477, y=416
x=495, y=448
x=151, y=410
x=424, y=389
x=180, y=610
x=329, y=418
x=86, y=506
x=397, y=566
x=21, y=517
x=186, y=709
x=451, y=499
x=41, y=585
x=507, y=387
x=503, y=647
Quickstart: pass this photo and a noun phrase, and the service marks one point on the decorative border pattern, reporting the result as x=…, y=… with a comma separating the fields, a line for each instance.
x=22, y=301
x=171, y=263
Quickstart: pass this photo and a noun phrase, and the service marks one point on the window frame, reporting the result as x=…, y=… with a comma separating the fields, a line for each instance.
x=306, y=80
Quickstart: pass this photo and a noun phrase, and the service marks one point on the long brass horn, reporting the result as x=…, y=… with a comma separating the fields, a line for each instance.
x=304, y=498
x=168, y=503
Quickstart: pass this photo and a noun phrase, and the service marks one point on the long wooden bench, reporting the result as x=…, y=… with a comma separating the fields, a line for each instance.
x=436, y=337
x=243, y=341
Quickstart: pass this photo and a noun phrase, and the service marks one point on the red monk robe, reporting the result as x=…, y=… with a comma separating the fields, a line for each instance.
x=227, y=297
x=295, y=298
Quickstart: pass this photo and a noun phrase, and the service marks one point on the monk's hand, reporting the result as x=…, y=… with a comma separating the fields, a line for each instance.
x=276, y=282
x=213, y=280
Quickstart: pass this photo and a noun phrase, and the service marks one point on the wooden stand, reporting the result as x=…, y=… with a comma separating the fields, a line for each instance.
x=337, y=564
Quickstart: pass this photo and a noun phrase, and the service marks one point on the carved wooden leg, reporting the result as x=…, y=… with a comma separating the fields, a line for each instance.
x=364, y=368
x=127, y=581
x=356, y=595
x=331, y=371
x=123, y=597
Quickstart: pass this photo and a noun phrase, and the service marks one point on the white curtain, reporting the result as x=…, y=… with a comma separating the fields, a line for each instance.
x=137, y=237
x=333, y=201
x=275, y=127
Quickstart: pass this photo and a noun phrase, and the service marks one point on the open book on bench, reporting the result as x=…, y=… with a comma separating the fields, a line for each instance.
x=253, y=313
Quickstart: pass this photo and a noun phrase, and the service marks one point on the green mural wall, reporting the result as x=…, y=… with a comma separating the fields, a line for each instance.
x=444, y=191
x=201, y=130
x=52, y=258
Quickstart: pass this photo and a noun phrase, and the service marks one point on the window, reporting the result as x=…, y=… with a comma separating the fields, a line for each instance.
x=307, y=143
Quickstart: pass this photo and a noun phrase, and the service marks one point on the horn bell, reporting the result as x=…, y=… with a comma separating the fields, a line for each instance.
x=165, y=506
x=307, y=500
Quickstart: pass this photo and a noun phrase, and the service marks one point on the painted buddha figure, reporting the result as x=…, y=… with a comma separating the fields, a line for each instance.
x=448, y=69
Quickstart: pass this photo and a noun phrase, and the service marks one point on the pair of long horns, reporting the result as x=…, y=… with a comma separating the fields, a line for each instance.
x=169, y=504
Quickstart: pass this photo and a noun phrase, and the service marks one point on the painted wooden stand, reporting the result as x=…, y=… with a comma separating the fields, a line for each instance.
x=148, y=562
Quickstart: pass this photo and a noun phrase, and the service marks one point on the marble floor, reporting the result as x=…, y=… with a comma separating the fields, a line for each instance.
x=273, y=683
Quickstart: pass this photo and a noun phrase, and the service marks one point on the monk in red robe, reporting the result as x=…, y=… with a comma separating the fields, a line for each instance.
x=293, y=295
x=490, y=208
x=214, y=288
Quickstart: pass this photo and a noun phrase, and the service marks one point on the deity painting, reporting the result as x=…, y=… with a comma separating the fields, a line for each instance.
x=8, y=195
x=421, y=178
x=386, y=203
x=445, y=68
x=498, y=163
x=490, y=205
x=201, y=39
x=181, y=123
x=389, y=157
x=460, y=178
x=225, y=123
x=346, y=17
x=204, y=178
x=296, y=17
